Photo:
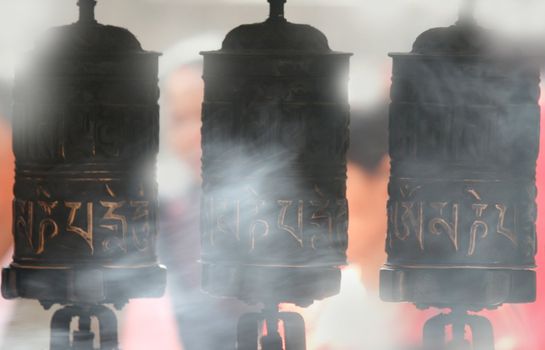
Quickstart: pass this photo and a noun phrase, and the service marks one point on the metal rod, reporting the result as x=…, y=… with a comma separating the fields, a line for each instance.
x=294, y=331
x=83, y=338
x=107, y=323
x=276, y=9
x=458, y=334
x=60, y=329
x=63, y=338
x=271, y=318
x=87, y=11
x=273, y=340
x=459, y=319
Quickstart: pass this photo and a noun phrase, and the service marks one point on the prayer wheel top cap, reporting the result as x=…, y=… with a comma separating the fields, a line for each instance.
x=276, y=34
x=87, y=36
x=465, y=38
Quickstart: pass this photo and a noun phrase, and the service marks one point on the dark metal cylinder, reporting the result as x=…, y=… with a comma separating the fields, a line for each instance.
x=85, y=140
x=464, y=136
x=275, y=135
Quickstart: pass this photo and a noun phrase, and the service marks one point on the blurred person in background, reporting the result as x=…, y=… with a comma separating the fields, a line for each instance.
x=202, y=321
x=369, y=21
x=358, y=304
x=367, y=192
x=6, y=189
x=6, y=174
x=205, y=322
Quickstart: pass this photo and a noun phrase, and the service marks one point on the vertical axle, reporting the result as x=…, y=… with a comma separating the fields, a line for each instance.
x=249, y=327
x=276, y=9
x=64, y=338
x=435, y=337
x=87, y=11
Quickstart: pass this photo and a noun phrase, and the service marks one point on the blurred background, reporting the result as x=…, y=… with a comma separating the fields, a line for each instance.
x=186, y=318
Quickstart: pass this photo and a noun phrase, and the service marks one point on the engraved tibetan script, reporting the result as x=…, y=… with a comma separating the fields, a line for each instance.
x=421, y=221
x=299, y=223
x=121, y=224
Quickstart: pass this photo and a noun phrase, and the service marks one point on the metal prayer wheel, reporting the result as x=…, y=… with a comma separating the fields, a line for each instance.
x=464, y=136
x=85, y=137
x=274, y=139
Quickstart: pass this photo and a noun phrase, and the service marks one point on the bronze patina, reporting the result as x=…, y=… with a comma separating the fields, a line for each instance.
x=275, y=136
x=464, y=137
x=86, y=129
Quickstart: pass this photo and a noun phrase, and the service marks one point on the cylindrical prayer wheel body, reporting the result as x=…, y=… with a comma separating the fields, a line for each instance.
x=464, y=136
x=85, y=139
x=275, y=136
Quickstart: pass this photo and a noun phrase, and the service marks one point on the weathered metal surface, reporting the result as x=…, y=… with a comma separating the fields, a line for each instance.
x=275, y=136
x=85, y=137
x=464, y=136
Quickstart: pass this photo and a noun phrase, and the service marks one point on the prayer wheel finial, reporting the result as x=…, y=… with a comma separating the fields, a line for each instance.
x=87, y=11
x=277, y=9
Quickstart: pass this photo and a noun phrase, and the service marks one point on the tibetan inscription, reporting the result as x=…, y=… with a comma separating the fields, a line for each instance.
x=475, y=222
x=296, y=224
x=101, y=227
x=424, y=219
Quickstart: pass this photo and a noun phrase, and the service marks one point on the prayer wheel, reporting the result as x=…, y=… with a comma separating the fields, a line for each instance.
x=464, y=138
x=85, y=138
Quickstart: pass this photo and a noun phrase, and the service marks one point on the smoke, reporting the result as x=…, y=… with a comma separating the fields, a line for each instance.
x=394, y=24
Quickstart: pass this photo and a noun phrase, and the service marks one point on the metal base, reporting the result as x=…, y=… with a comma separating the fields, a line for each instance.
x=473, y=289
x=272, y=285
x=435, y=332
x=249, y=326
x=83, y=338
x=83, y=285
